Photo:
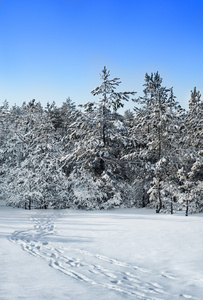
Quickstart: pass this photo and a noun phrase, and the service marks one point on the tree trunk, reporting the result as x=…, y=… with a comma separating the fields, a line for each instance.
x=160, y=149
x=104, y=135
x=143, y=201
x=29, y=204
x=102, y=165
x=171, y=205
x=186, y=211
x=143, y=198
x=159, y=197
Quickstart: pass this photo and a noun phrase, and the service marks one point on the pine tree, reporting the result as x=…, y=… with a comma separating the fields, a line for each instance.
x=35, y=177
x=157, y=122
x=194, y=121
x=99, y=135
x=191, y=159
x=103, y=112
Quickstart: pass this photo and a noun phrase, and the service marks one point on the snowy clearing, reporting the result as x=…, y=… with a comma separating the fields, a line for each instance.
x=117, y=254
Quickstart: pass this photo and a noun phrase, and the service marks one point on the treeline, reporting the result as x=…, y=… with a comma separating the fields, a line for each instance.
x=92, y=157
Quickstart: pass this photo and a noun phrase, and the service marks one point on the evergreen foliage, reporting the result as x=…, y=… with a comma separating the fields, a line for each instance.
x=91, y=157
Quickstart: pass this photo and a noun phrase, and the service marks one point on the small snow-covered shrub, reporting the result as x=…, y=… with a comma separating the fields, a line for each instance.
x=87, y=191
x=114, y=202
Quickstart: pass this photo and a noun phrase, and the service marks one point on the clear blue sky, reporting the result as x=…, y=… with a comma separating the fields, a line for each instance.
x=54, y=49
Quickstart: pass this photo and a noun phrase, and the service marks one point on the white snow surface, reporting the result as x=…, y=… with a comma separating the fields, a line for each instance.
x=116, y=254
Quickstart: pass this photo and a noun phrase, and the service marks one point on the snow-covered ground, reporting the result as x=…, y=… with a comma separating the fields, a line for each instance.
x=118, y=254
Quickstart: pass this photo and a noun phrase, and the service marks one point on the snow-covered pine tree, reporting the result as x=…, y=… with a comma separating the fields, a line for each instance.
x=157, y=123
x=99, y=133
x=106, y=122
x=5, y=137
x=35, y=178
x=192, y=152
x=194, y=121
x=68, y=113
x=196, y=177
x=20, y=145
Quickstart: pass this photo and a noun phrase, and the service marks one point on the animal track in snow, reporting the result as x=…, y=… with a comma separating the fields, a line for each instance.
x=90, y=268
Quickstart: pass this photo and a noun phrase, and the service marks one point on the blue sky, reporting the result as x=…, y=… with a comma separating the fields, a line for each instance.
x=54, y=49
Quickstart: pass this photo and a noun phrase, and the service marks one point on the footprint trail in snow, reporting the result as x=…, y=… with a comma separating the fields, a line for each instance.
x=94, y=269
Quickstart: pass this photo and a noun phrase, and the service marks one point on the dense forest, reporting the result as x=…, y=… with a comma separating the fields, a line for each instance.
x=92, y=157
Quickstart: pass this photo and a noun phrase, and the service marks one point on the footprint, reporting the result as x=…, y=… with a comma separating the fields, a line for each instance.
x=105, y=272
x=116, y=281
x=185, y=296
x=168, y=275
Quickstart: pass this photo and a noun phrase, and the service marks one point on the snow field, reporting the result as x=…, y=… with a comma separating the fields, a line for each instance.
x=118, y=254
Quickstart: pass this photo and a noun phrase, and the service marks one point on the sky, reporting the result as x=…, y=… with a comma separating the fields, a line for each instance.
x=54, y=49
